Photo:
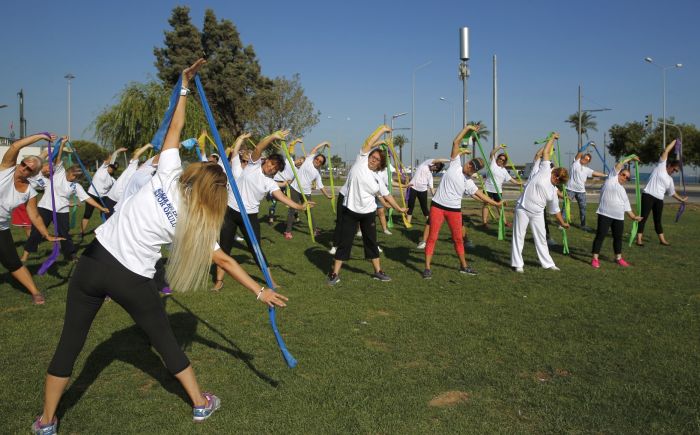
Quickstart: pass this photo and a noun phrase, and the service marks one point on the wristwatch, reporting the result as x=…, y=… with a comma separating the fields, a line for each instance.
x=184, y=91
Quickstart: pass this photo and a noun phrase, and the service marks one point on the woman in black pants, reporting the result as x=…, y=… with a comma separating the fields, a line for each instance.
x=660, y=184
x=256, y=181
x=184, y=208
x=419, y=185
x=611, y=212
x=359, y=207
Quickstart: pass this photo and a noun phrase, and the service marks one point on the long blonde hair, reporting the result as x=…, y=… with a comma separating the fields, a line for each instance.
x=201, y=212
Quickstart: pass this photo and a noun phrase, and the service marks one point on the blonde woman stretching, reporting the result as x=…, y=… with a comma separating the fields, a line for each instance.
x=184, y=208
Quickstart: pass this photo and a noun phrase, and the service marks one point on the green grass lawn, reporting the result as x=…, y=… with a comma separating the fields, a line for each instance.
x=579, y=351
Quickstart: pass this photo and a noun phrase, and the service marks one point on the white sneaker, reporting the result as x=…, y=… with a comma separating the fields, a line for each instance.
x=240, y=239
x=387, y=232
x=554, y=268
x=519, y=270
x=332, y=250
x=380, y=249
x=358, y=234
x=421, y=245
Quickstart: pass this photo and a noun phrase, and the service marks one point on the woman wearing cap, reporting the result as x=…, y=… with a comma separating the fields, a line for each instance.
x=447, y=203
x=359, y=207
x=15, y=190
x=660, y=184
x=611, y=212
x=540, y=192
x=62, y=186
x=500, y=176
x=254, y=183
x=102, y=181
x=184, y=208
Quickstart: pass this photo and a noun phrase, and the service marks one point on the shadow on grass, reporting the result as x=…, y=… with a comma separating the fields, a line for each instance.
x=131, y=345
x=405, y=255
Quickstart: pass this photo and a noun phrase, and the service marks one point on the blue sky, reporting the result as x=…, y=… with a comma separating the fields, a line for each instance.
x=356, y=61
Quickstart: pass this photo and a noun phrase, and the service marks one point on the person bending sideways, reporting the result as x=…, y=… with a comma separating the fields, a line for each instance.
x=184, y=208
x=660, y=183
x=447, y=203
x=611, y=212
x=540, y=192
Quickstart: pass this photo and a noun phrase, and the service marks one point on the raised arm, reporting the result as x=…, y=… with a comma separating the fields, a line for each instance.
x=667, y=150
x=495, y=150
x=621, y=164
x=260, y=147
x=139, y=151
x=319, y=147
x=10, y=157
x=239, y=142
x=457, y=142
x=113, y=157
x=64, y=140
x=372, y=139
x=547, y=152
x=172, y=137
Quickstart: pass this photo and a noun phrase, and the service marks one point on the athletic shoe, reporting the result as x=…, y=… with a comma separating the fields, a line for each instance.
x=621, y=262
x=587, y=229
x=387, y=232
x=288, y=235
x=270, y=221
x=333, y=279
x=379, y=248
x=467, y=270
x=45, y=429
x=240, y=239
x=317, y=232
x=551, y=242
x=201, y=413
x=358, y=234
x=421, y=245
x=518, y=269
x=554, y=268
x=332, y=250
x=595, y=263
x=427, y=274
x=38, y=299
x=381, y=276
x=165, y=291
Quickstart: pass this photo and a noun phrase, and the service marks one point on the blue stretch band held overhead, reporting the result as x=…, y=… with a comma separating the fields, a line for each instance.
x=291, y=361
x=159, y=137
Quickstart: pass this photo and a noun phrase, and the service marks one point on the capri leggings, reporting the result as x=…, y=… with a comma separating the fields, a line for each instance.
x=8, y=254
x=99, y=274
x=653, y=205
x=422, y=200
x=438, y=215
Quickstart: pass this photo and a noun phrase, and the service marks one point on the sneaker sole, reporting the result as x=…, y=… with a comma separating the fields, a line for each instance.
x=201, y=419
x=382, y=280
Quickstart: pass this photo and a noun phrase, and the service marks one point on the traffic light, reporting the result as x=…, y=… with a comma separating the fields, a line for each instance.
x=436, y=144
x=648, y=122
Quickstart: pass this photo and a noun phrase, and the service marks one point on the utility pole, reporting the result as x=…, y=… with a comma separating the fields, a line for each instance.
x=22, y=121
x=495, y=104
x=464, y=72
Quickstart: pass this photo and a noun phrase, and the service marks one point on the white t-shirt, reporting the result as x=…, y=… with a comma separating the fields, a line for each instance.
x=535, y=169
x=540, y=192
x=253, y=185
x=613, y=198
x=500, y=175
x=10, y=198
x=102, y=182
x=423, y=178
x=578, y=176
x=38, y=182
x=146, y=220
x=307, y=175
x=660, y=183
x=142, y=176
x=363, y=186
x=285, y=175
x=117, y=191
x=453, y=186
x=62, y=191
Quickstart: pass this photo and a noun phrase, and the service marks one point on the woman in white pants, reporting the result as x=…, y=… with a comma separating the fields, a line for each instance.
x=541, y=191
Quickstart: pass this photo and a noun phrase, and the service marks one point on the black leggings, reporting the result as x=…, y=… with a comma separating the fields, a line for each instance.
x=649, y=205
x=97, y=275
x=8, y=254
x=348, y=228
x=88, y=208
x=63, y=221
x=604, y=225
x=232, y=221
x=422, y=199
x=338, y=219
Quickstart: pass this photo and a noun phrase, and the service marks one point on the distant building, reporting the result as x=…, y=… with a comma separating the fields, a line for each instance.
x=32, y=150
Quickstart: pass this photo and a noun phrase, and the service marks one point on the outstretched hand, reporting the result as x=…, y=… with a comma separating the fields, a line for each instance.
x=189, y=72
x=272, y=298
x=54, y=238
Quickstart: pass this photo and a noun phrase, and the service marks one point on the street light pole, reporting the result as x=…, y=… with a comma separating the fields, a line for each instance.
x=413, y=107
x=393, y=117
x=69, y=77
x=453, y=111
x=663, y=90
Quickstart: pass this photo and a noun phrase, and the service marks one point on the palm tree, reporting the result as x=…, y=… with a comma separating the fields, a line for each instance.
x=587, y=122
x=484, y=132
x=399, y=141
